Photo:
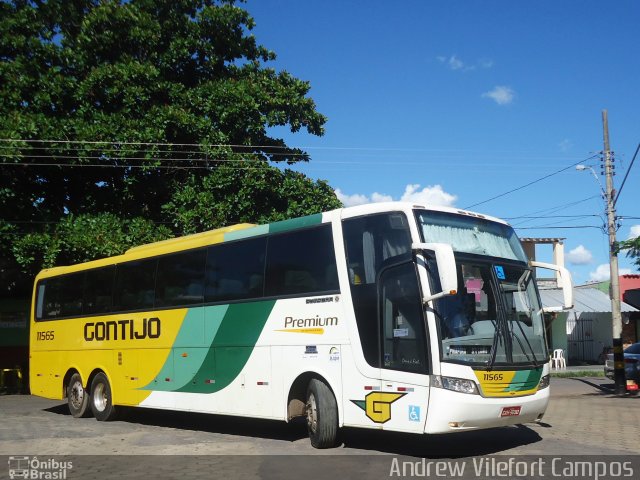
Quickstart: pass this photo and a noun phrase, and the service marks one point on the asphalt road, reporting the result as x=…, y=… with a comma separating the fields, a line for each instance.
x=583, y=419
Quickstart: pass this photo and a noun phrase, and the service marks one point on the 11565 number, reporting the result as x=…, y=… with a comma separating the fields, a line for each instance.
x=48, y=335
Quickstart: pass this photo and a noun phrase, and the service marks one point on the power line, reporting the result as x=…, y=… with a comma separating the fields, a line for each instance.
x=205, y=159
x=562, y=227
x=615, y=201
x=554, y=216
x=558, y=207
x=530, y=183
x=272, y=147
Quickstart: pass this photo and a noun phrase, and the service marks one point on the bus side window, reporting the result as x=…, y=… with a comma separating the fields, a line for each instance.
x=135, y=285
x=61, y=296
x=180, y=279
x=301, y=262
x=370, y=243
x=51, y=302
x=403, y=335
x=235, y=271
x=98, y=290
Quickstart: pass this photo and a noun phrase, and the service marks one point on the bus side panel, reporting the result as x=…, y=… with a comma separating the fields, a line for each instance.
x=357, y=387
x=257, y=351
x=307, y=334
x=131, y=348
x=125, y=376
x=44, y=375
x=391, y=400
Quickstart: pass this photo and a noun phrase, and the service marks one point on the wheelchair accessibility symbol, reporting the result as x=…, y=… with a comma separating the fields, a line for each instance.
x=414, y=413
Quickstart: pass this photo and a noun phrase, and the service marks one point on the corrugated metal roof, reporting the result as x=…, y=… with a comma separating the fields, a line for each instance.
x=584, y=300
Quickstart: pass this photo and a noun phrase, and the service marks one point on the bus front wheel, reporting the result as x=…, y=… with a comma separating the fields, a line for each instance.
x=77, y=397
x=322, y=415
x=101, y=399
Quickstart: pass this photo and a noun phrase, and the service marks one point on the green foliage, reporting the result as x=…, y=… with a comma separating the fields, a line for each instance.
x=632, y=247
x=83, y=238
x=251, y=192
x=120, y=72
x=137, y=109
x=578, y=374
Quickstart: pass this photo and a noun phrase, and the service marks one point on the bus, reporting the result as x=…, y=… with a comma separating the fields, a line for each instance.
x=388, y=316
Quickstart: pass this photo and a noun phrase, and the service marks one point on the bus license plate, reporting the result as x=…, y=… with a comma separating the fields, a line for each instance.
x=510, y=411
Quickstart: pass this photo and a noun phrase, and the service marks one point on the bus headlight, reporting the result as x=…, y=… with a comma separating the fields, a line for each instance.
x=544, y=382
x=461, y=385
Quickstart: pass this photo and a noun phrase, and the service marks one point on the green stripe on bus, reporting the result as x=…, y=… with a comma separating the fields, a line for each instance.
x=210, y=369
x=189, y=353
x=295, y=223
x=524, y=380
x=246, y=233
x=232, y=346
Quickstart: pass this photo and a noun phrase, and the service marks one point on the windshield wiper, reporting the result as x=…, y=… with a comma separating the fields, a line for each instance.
x=513, y=335
x=501, y=326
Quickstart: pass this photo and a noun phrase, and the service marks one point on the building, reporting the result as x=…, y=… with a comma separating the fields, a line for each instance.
x=584, y=333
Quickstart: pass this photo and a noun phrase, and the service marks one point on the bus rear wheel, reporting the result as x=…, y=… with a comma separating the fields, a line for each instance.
x=322, y=415
x=102, y=399
x=77, y=397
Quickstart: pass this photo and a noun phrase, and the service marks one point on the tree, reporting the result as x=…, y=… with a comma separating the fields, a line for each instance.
x=632, y=246
x=83, y=238
x=117, y=106
x=240, y=192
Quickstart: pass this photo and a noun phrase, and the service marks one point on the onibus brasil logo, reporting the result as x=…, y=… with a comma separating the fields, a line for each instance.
x=32, y=467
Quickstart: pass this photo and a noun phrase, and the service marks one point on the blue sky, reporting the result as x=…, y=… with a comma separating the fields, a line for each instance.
x=455, y=102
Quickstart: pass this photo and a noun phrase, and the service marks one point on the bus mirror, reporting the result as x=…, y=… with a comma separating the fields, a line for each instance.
x=446, y=268
x=564, y=281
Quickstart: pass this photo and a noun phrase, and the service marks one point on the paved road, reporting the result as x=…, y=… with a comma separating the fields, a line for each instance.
x=583, y=417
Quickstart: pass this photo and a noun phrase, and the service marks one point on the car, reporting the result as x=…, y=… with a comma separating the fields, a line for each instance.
x=631, y=363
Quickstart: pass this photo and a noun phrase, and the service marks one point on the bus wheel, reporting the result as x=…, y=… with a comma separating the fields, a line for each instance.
x=101, y=399
x=322, y=415
x=77, y=397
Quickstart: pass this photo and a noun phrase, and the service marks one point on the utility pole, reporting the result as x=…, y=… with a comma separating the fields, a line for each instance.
x=618, y=356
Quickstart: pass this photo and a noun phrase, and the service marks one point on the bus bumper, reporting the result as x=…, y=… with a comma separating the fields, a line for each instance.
x=454, y=412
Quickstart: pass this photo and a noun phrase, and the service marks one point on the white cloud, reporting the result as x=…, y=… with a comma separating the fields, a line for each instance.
x=351, y=200
x=455, y=63
x=634, y=231
x=580, y=256
x=501, y=94
x=485, y=63
x=430, y=195
x=379, y=197
x=603, y=273
x=565, y=145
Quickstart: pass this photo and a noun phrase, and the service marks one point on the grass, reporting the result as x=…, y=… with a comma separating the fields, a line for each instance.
x=579, y=373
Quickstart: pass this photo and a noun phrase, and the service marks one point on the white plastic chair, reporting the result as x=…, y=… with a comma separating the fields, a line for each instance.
x=557, y=360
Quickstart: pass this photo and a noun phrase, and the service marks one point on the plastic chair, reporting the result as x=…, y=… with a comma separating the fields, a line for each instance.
x=557, y=360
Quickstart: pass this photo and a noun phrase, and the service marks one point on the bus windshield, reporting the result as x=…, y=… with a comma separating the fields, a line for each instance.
x=496, y=317
x=470, y=234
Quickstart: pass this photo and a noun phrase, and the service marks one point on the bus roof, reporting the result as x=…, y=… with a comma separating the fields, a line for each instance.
x=226, y=233
x=370, y=208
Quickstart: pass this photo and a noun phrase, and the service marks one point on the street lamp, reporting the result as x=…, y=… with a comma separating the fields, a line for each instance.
x=582, y=168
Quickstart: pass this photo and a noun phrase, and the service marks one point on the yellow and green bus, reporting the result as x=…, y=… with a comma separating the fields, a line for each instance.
x=390, y=316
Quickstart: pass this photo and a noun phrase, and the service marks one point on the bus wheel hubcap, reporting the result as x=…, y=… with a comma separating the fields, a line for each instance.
x=100, y=398
x=312, y=413
x=77, y=395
